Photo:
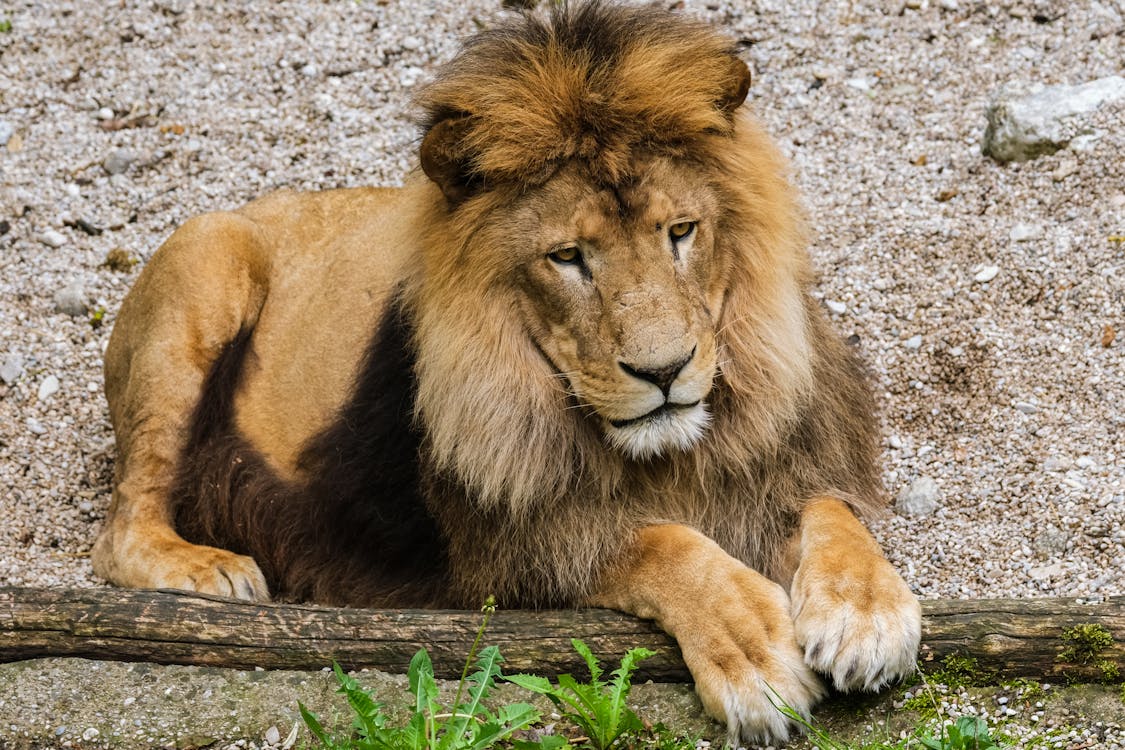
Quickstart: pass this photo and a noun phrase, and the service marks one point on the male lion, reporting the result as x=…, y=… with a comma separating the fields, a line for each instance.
x=575, y=363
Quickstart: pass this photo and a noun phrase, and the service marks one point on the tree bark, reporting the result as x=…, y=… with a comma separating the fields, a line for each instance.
x=1006, y=637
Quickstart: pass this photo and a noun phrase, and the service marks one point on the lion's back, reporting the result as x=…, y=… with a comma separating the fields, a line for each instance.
x=339, y=256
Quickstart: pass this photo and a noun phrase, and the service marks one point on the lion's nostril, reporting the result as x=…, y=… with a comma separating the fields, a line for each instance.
x=661, y=377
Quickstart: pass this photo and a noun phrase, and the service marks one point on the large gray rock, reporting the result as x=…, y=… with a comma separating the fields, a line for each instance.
x=1022, y=128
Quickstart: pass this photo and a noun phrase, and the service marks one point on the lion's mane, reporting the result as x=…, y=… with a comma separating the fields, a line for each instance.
x=601, y=85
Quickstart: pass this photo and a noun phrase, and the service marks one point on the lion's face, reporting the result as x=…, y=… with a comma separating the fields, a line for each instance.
x=621, y=294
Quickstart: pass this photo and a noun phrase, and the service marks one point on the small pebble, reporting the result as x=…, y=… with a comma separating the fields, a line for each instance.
x=49, y=387
x=1085, y=462
x=6, y=131
x=90, y=734
x=105, y=113
x=836, y=307
x=1046, y=572
x=71, y=300
x=1056, y=463
x=52, y=238
x=1024, y=232
x=1026, y=407
x=11, y=369
x=921, y=498
x=1050, y=542
x=119, y=161
x=35, y=427
x=986, y=274
x=948, y=4
x=914, y=342
x=273, y=735
x=411, y=43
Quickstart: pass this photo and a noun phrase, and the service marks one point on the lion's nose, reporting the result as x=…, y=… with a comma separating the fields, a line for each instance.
x=662, y=376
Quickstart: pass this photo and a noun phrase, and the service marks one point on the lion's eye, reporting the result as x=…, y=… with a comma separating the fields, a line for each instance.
x=680, y=230
x=566, y=255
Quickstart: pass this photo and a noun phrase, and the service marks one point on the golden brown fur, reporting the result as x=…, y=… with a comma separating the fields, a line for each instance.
x=577, y=360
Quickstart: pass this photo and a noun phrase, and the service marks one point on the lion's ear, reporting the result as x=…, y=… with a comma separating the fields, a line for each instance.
x=445, y=161
x=737, y=86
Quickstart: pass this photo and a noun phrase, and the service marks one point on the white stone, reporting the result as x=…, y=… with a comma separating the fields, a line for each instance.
x=273, y=735
x=1023, y=232
x=90, y=734
x=921, y=498
x=1046, y=572
x=836, y=307
x=986, y=274
x=11, y=368
x=1022, y=128
x=914, y=342
x=71, y=300
x=1026, y=407
x=860, y=84
x=1056, y=463
x=6, y=132
x=54, y=239
x=119, y=161
x=35, y=427
x=1084, y=142
x=49, y=387
x=105, y=113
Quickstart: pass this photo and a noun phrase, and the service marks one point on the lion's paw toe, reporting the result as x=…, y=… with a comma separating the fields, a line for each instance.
x=748, y=681
x=757, y=707
x=861, y=644
x=219, y=573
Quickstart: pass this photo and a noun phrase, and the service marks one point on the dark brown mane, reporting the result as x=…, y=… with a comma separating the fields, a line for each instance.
x=589, y=82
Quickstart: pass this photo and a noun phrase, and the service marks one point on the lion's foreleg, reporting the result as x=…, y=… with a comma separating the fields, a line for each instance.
x=855, y=617
x=204, y=286
x=732, y=624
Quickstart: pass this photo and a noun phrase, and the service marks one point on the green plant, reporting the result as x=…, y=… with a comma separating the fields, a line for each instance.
x=433, y=726
x=5, y=25
x=1084, y=642
x=598, y=707
x=959, y=671
x=967, y=733
x=1084, y=646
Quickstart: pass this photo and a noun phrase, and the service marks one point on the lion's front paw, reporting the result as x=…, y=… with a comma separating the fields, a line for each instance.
x=214, y=571
x=857, y=620
x=160, y=559
x=746, y=662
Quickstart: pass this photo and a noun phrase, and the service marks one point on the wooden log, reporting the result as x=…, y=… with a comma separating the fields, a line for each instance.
x=1006, y=637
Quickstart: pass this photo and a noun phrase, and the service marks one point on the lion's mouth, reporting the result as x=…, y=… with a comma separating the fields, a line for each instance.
x=666, y=408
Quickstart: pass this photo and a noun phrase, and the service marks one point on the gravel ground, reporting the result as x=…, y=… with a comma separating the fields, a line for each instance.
x=1001, y=397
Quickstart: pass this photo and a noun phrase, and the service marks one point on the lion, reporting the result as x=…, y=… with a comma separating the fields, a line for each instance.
x=574, y=361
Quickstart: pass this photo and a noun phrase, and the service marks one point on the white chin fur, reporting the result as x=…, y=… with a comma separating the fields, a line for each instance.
x=679, y=430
